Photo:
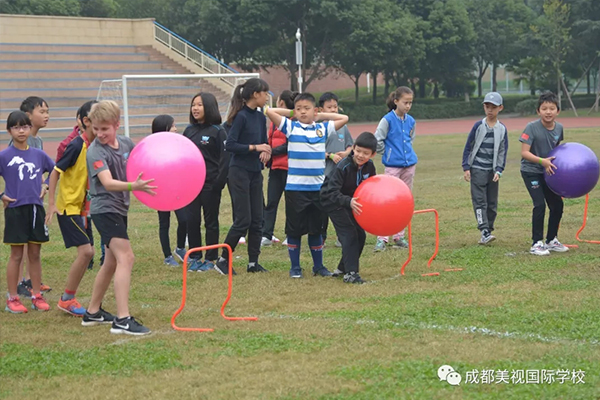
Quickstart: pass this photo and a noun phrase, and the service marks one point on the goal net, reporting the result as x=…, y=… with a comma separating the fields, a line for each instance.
x=143, y=97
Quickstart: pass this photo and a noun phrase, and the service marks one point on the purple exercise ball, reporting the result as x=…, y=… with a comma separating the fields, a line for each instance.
x=577, y=170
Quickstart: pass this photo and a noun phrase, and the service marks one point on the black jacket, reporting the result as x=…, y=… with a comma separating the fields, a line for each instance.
x=339, y=186
x=210, y=139
x=249, y=127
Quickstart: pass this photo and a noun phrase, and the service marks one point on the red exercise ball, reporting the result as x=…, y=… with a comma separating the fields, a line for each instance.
x=387, y=205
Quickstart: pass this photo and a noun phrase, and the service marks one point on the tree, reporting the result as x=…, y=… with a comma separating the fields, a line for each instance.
x=498, y=26
x=406, y=49
x=553, y=33
x=99, y=8
x=364, y=38
x=452, y=31
x=41, y=7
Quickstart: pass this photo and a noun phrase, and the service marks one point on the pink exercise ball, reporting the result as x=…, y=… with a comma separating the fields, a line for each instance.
x=175, y=164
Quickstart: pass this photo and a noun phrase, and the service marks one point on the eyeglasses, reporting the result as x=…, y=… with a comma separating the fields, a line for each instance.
x=21, y=128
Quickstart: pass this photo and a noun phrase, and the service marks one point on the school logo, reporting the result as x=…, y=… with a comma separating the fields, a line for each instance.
x=535, y=184
x=205, y=139
x=320, y=133
x=98, y=164
x=126, y=156
x=524, y=136
x=24, y=167
x=365, y=176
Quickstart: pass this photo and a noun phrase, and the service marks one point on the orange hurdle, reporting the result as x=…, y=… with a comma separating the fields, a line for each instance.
x=229, y=288
x=437, y=241
x=585, y=212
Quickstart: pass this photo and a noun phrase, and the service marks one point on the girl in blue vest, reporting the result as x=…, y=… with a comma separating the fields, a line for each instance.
x=395, y=134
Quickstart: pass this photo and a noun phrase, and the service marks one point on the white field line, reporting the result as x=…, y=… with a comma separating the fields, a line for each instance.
x=445, y=328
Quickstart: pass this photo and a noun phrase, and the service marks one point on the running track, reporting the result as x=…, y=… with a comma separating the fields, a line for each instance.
x=430, y=127
x=454, y=126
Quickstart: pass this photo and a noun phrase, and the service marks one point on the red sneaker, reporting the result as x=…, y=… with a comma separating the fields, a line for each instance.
x=45, y=288
x=14, y=305
x=39, y=303
x=71, y=307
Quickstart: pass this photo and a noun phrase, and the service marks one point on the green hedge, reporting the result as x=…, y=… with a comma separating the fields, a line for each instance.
x=455, y=108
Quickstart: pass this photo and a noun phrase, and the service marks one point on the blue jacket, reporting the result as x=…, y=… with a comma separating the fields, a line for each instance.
x=395, y=142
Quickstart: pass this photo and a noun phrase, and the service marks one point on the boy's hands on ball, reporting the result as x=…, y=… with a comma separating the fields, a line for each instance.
x=548, y=166
x=356, y=206
x=143, y=185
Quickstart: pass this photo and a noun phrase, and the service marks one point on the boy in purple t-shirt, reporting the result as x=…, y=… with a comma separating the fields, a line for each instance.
x=22, y=167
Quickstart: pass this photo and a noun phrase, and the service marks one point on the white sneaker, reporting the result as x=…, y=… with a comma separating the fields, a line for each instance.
x=242, y=240
x=539, y=249
x=284, y=243
x=275, y=240
x=265, y=242
x=555, y=245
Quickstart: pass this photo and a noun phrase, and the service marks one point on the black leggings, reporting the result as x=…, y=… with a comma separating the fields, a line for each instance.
x=246, y=190
x=541, y=195
x=207, y=202
x=164, y=223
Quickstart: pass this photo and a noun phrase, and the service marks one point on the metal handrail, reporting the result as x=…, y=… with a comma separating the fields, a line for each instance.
x=192, y=53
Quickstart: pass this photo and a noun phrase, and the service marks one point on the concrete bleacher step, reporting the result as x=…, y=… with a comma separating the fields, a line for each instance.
x=58, y=48
x=68, y=75
x=72, y=56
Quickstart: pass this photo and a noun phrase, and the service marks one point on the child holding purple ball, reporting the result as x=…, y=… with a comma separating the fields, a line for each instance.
x=537, y=140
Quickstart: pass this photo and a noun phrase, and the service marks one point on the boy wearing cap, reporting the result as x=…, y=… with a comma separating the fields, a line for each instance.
x=483, y=162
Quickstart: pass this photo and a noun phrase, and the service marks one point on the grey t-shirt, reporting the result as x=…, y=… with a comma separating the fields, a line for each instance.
x=542, y=141
x=101, y=157
x=336, y=143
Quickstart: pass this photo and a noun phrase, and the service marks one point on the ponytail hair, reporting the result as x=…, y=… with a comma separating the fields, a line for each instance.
x=397, y=95
x=243, y=93
x=287, y=96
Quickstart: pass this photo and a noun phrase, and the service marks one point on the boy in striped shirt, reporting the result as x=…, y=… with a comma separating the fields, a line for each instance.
x=306, y=173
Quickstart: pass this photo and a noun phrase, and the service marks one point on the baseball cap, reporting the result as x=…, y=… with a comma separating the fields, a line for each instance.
x=493, y=97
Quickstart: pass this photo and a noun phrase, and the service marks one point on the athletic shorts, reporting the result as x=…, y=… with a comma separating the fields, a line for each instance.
x=25, y=224
x=303, y=213
x=76, y=230
x=110, y=225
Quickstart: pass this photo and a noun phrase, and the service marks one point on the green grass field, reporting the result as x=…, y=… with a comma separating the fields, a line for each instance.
x=318, y=338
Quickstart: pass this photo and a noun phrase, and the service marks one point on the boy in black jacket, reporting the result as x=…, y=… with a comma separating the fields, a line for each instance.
x=337, y=198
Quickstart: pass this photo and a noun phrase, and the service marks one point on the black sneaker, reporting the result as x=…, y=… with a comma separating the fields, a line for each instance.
x=321, y=272
x=23, y=289
x=296, y=273
x=101, y=317
x=128, y=326
x=353, y=277
x=486, y=237
x=222, y=267
x=256, y=268
x=337, y=273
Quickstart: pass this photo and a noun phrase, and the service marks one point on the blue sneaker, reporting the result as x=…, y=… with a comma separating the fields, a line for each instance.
x=296, y=273
x=171, y=262
x=194, y=264
x=207, y=265
x=321, y=272
x=179, y=253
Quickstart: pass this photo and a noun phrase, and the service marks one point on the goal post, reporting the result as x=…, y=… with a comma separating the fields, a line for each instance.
x=143, y=97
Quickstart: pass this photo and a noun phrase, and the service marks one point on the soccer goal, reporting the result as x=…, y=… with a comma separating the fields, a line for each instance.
x=143, y=97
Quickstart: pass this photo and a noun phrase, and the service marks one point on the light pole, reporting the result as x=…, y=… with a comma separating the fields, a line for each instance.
x=299, y=58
